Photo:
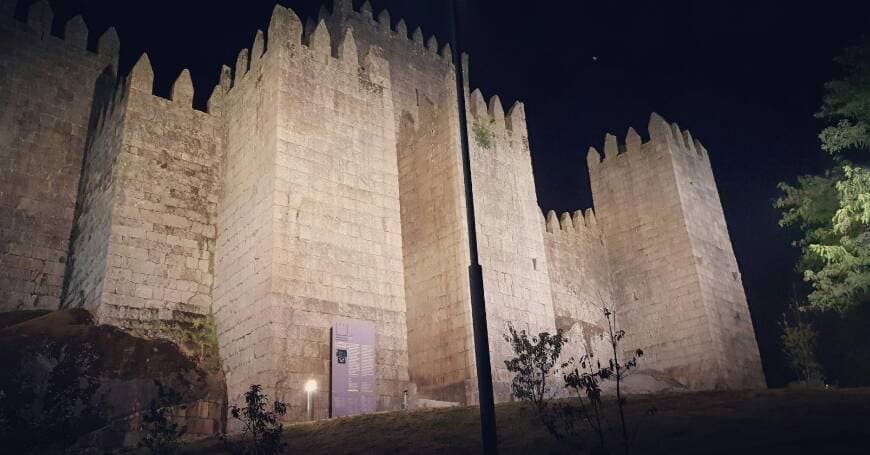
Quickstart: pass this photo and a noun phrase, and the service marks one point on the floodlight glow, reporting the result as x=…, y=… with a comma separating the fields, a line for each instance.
x=311, y=386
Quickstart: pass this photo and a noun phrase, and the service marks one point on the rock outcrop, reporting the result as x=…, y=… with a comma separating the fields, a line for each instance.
x=68, y=383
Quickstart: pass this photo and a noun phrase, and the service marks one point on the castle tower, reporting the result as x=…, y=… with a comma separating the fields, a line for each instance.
x=434, y=234
x=434, y=237
x=48, y=87
x=308, y=218
x=510, y=235
x=678, y=291
x=143, y=242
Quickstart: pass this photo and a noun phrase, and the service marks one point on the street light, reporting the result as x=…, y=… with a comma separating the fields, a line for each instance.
x=483, y=362
x=310, y=387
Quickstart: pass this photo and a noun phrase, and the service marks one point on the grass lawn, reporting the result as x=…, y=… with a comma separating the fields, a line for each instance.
x=762, y=422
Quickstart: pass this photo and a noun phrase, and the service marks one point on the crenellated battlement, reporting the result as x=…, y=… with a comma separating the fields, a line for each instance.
x=674, y=272
x=40, y=19
x=416, y=42
x=663, y=136
x=141, y=79
x=578, y=222
x=285, y=28
x=492, y=115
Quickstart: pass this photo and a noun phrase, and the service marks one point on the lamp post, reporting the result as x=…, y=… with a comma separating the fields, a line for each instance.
x=475, y=272
x=310, y=387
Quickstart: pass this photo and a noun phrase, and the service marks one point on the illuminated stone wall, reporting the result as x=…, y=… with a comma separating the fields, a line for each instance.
x=47, y=87
x=509, y=230
x=158, y=213
x=434, y=237
x=313, y=149
x=678, y=291
x=580, y=280
x=325, y=182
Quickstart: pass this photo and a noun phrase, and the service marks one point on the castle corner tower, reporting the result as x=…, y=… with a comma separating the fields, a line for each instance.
x=677, y=287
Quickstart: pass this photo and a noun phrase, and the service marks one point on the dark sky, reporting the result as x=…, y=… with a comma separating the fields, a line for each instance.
x=745, y=76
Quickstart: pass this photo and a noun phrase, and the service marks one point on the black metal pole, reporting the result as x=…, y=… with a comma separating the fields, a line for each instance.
x=475, y=273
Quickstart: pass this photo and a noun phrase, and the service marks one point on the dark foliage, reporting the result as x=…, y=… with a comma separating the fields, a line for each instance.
x=261, y=429
x=533, y=365
x=161, y=433
x=42, y=413
x=799, y=341
x=535, y=358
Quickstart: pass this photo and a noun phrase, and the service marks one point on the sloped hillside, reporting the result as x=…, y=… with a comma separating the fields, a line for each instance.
x=764, y=423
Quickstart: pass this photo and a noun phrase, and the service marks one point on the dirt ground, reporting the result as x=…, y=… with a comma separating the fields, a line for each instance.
x=759, y=422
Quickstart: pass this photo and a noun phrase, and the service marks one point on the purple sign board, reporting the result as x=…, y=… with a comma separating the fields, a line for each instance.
x=354, y=388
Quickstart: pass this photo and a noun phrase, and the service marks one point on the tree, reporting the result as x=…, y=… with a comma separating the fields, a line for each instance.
x=536, y=356
x=618, y=371
x=534, y=362
x=833, y=210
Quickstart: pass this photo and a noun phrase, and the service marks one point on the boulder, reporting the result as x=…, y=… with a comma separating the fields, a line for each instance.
x=68, y=383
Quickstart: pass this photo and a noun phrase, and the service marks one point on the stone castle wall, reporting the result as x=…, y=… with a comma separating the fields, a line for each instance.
x=581, y=282
x=244, y=250
x=339, y=248
x=47, y=86
x=434, y=237
x=158, y=213
x=739, y=362
x=440, y=340
x=435, y=250
x=89, y=247
x=314, y=143
x=509, y=232
x=650, y=211
x=325, y=182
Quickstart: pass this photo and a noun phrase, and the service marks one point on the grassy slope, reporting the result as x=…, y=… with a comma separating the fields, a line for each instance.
x=766, y=422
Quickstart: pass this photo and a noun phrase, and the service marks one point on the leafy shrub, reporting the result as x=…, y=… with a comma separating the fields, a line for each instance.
x=204, y=336
x=533, y=363
x=583, y=378
x=532, y=367
x=617, y=371
x=161, y=433
x=261, y=430
x=798, y=341
x=48, y=396
x=483, y=136
x=198, y=338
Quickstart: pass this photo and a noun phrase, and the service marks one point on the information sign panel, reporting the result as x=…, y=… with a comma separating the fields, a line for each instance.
x=354, y=387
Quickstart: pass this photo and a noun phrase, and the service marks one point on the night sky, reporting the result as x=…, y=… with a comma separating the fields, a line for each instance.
x=745, y=76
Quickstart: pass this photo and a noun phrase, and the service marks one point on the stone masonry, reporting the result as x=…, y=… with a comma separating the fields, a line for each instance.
x=677, y=289
x=324, y=182
x=47, y=92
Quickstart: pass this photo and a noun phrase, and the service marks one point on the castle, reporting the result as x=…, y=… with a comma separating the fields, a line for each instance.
x=324, y=182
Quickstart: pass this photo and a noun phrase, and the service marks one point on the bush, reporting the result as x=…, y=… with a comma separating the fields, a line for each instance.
x=161, y=433
x=261, y=430
x=532, y=367
x=799, y=341
x=483, y=136
x=583, y=377
x=533, y=364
